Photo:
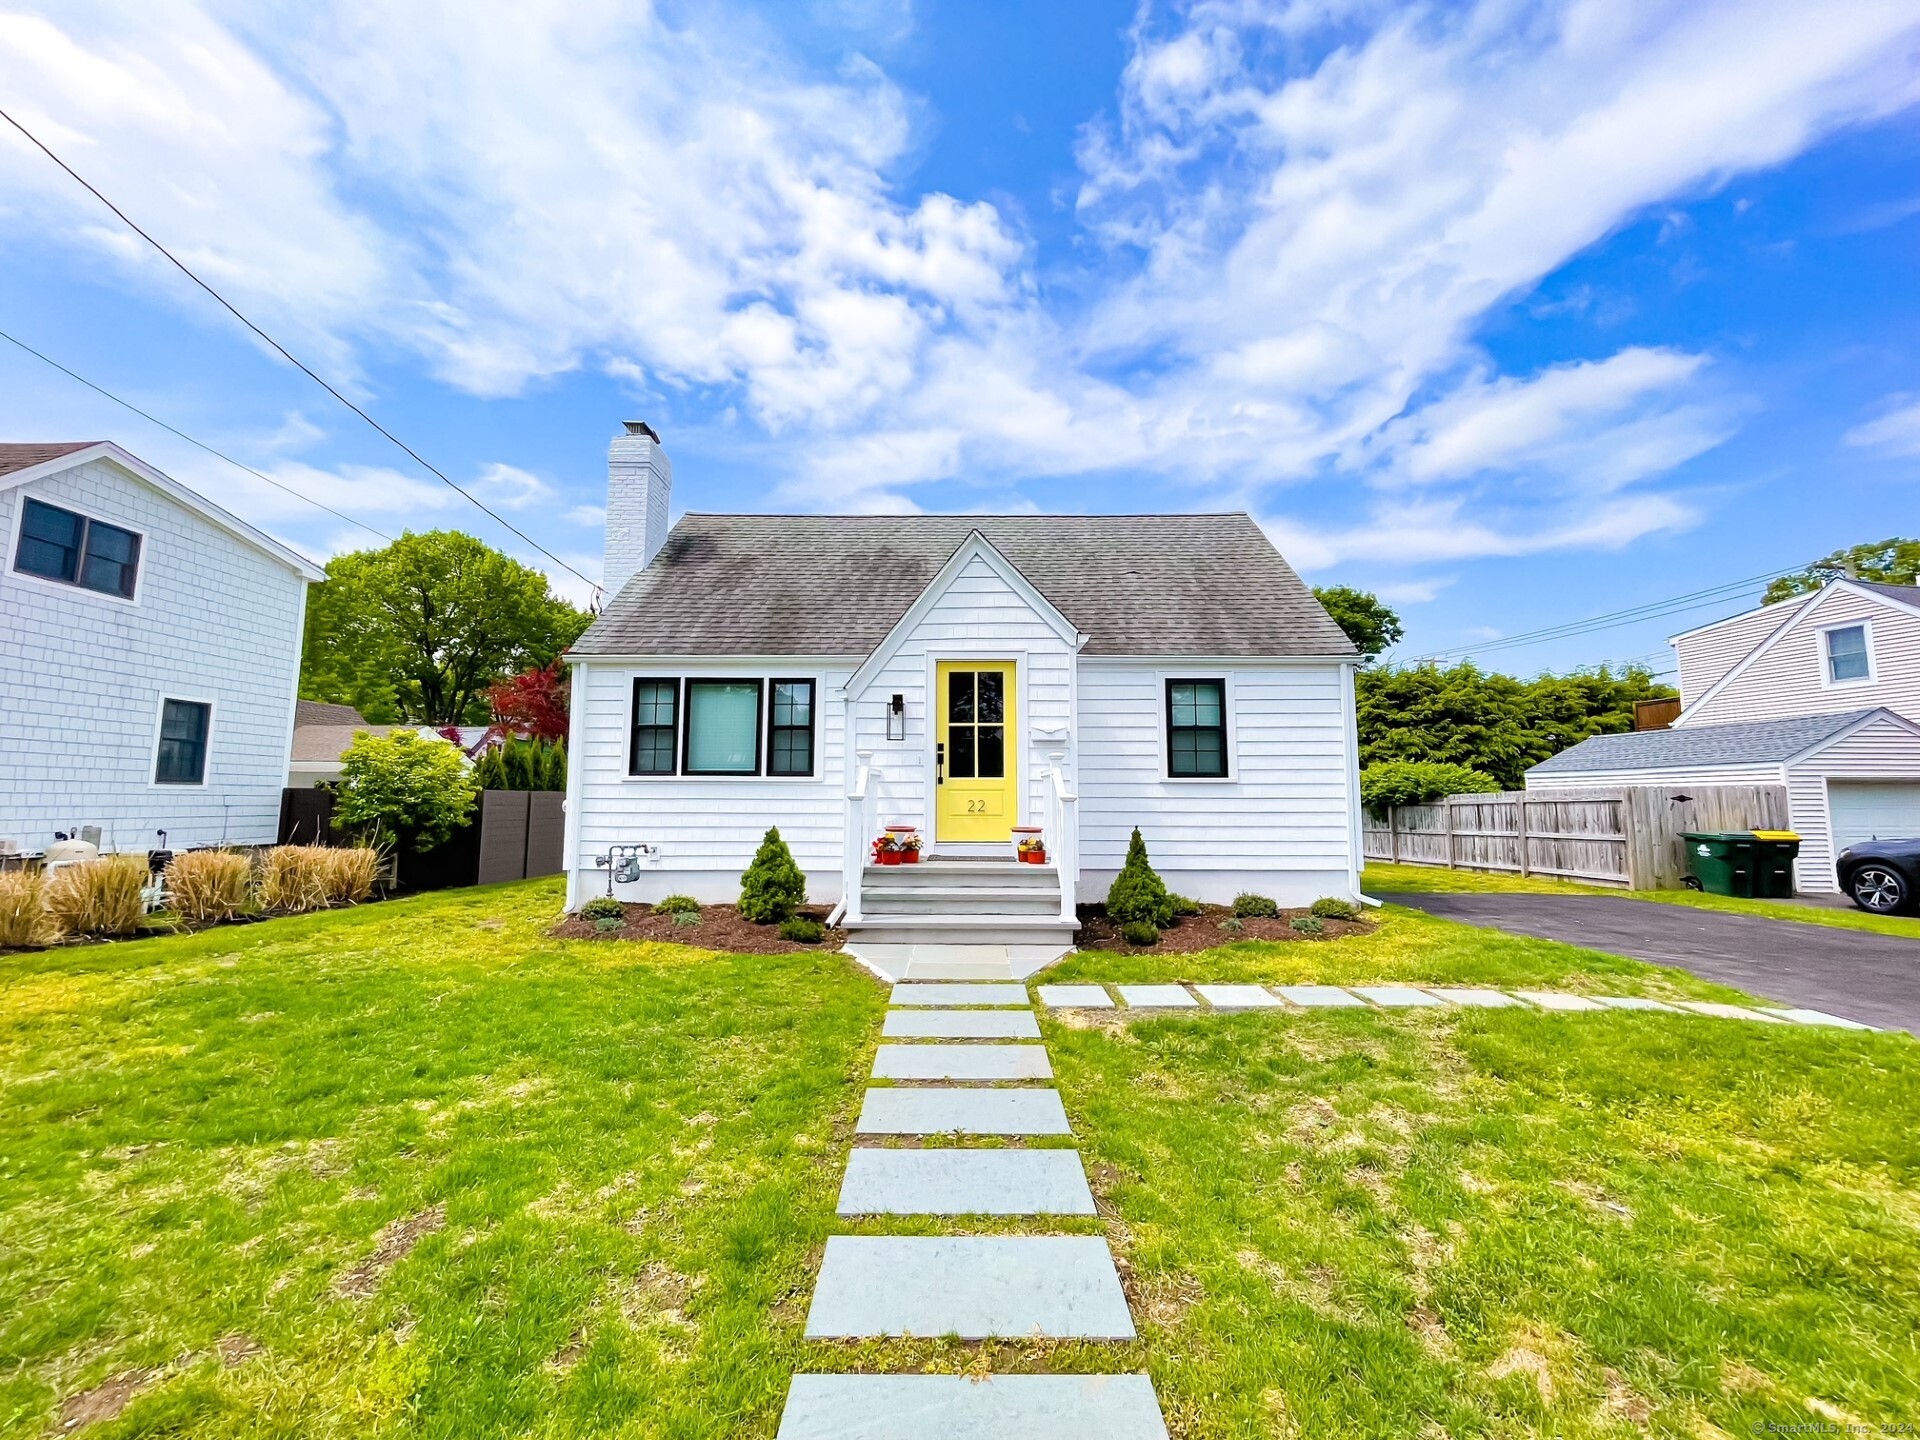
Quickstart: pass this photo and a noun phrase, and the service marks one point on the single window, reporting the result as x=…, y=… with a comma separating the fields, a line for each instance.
x=1197, y=728
x=656, y=721
x=976, y=724
x=57, y=544
x=790, y=728
x=1847, y=653
x=723, y=727
x=183, y=743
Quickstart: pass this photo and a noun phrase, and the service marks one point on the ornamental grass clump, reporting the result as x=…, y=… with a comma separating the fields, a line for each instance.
x=1137, y=892
x=97, y=897
x=350, y=873
x=773, y=886
x=205, y=887
x=23, y=912
x=296, y=878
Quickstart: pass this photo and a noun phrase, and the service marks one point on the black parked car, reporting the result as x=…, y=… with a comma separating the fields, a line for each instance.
x=1881, y=875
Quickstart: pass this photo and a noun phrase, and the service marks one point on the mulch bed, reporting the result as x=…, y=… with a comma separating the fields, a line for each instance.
x=1203, y=932
x=719, y=928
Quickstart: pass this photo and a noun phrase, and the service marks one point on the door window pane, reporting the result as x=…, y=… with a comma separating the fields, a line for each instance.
x=49, y=542
x=183, y=743
x=992, y=699
x=990, y=753
x=960, y=697
x=723, y=727
x=656, y=705
x=1847, y=653
x=111, y=558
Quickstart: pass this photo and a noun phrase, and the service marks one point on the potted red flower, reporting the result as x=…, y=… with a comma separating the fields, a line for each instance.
x=899, y=845
x=1028, y=847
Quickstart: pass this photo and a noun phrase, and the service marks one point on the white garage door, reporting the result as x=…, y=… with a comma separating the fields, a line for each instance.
x=1885, y=811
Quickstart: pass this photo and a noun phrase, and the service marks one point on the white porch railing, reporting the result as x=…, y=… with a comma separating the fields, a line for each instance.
x=863, y=799
x=1060, y=819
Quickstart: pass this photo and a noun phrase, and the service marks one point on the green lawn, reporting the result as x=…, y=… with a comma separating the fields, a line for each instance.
x=444, y=1176
x=1381, y=878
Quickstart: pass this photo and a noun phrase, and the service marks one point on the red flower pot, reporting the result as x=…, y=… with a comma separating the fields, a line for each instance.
x=1033, y=857
x=887, y=857
x=907, y=857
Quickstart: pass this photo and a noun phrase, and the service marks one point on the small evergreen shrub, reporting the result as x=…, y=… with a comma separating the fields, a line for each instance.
x=1331, y=907
x=803, y=930
x=603, y=907
x=1140, y=932
x=1183, y=905
x=606, y=924
x=517, y=764
x=1249, y=906
x=1138, y=893
x=1308, y=925
x=678, y=905
x=773, y=885
x=684, y=918
x=1233, y=924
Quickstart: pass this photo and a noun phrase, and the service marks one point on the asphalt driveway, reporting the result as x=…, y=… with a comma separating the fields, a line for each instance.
x=1863, y=976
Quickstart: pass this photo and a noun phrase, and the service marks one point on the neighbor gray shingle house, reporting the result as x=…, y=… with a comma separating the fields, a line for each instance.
x=965, y=675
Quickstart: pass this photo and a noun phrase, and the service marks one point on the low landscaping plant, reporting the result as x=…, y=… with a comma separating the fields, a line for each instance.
x=23, y=912
x=1140, y=932
x=1331, y=907
x=1308, y=925
x=97, y=897
x=772, y=886
x=802, y=930
x=205, y=887
x=1183, y=904
x=351, y=871
x=603, y=907
x=1138, y=892
x=679, y=905
x=296, y=878
x=1249, y=906
x=684, y=918
x=607, y=923
x=1415, y=782
x=1233, y=924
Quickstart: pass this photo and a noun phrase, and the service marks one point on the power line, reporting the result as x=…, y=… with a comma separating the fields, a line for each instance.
x=201, y=444
x=293, y=360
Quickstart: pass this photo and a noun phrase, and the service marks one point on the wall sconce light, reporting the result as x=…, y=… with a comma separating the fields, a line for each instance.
x=897, y=718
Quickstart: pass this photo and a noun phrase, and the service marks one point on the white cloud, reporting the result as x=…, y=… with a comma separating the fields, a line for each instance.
x=1412, y=592
x=1896, y=431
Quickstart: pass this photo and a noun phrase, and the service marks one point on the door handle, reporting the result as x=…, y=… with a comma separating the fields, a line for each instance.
x=939, y=764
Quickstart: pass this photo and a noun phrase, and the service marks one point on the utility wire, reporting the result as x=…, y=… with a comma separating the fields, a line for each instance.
x=293, y=360
x=200, y=444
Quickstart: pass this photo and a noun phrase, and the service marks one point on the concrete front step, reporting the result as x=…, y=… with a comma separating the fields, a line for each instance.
x=967, y=1407
x=963, y=899
x=963, y=929
x=960, y=872
x=976, y=1287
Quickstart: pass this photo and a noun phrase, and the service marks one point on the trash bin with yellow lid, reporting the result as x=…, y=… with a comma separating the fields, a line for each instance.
x=1774, y=852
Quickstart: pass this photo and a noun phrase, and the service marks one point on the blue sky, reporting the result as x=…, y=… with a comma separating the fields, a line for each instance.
x=1516, y=314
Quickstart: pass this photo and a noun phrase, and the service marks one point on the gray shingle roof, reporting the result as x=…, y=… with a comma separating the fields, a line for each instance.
x=1906, y=594
x=836, y=584
x=25, y=456
x=1754, y=742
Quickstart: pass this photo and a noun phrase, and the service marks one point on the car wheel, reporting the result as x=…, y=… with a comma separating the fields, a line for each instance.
x=1879, y=889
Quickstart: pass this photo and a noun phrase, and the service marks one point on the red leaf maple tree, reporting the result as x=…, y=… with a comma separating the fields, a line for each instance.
x=532, y=704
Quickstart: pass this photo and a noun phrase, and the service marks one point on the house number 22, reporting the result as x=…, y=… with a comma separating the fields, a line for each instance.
x=976, y=807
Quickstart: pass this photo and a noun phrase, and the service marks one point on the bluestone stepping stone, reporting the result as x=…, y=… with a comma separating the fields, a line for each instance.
x=937, y=994
x=1475, y=999
x=906, y=1111
x=1157, y=997
x=1728, y=1012
x=1814, y=1017
x=1558, y=1000
x=965, y=1182
x=961, y=1025
x=976, y=1287
x=1395, y=997
x=1237, y=997
x=1633, y=1002
x=963, y=1407
x=1320, y=997
x=1075, y=997
x=962, y=1062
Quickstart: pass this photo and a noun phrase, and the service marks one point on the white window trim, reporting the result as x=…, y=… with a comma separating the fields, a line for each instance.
x=1827, y=682
x=74, y=587
x=153, y=749
x=764, y=675
x=1161, y=719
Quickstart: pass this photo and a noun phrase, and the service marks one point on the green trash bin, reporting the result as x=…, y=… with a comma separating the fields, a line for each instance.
x=1720, y=862
x=1774, y=853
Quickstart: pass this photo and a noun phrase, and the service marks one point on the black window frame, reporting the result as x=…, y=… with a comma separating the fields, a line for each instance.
x=759, y=725
x=1226, y=759
x=203, y=743
x=82, y=551
x=775, y=729
x=672, y=727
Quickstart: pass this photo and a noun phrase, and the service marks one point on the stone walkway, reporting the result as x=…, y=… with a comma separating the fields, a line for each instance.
x=1038, y=1285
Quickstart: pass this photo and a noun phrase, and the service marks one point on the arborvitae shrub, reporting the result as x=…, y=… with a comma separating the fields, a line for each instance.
x=1137, y=892
x=773, y=884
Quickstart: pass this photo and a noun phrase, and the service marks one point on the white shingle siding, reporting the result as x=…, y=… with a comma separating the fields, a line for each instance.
x=82, y=676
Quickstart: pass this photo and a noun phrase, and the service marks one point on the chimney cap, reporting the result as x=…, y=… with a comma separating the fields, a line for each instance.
x=641, y=427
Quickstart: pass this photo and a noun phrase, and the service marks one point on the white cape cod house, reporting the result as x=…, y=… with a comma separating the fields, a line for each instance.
x=834, y=675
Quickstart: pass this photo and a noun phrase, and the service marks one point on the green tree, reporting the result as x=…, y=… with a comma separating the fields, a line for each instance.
x=1889, y=562
x=1414, y=782
x=421, y=629
x=1370, y=624
x=1138, y=894
x=773, y=885
x=406, y=787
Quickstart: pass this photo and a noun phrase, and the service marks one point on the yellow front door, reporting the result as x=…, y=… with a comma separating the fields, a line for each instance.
x=978, y=784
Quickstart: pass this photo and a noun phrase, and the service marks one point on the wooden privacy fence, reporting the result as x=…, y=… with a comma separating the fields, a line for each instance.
x=515, y=835
x=1619, y=835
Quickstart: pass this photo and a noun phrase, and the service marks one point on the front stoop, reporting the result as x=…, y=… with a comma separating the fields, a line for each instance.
x=964, y=902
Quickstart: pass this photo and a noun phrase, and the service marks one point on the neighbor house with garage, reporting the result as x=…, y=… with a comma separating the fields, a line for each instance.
x=1819, y=693
x=965, y=676
x=149, y=656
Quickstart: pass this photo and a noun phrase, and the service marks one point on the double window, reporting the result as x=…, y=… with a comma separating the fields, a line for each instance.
x=58, y=544
x=1197, y=729
x=698, y=726
x=1847, y=657
x=182, y=757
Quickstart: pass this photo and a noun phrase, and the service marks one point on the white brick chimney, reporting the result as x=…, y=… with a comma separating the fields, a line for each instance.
x=639, y=490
